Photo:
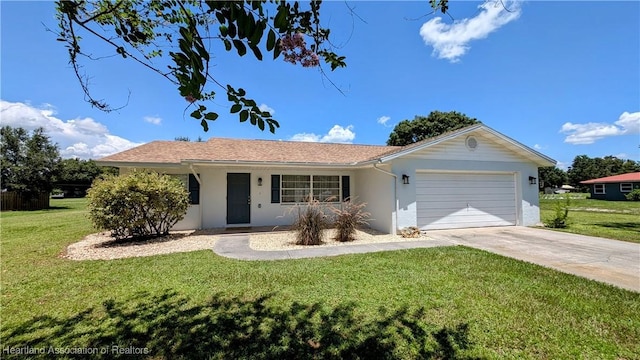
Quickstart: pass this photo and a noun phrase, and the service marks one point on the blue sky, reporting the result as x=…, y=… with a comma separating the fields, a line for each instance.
x=561, y=77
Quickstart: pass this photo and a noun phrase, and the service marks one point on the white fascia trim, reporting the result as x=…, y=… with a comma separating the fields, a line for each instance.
x=139, y=165
x=267, y=163
x=549, y=161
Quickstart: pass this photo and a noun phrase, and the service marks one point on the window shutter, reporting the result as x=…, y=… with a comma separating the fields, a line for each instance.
x=275, y=189
x=346, y=188
x=194, y=190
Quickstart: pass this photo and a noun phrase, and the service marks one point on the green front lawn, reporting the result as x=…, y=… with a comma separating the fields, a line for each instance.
x=442, y=303
x=610, y=219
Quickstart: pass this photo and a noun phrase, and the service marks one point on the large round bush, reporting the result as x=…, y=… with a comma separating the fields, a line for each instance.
x=137, y=205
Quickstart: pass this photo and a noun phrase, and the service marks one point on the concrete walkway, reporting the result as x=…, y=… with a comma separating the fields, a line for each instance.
x=237, y=247
x=610, y=261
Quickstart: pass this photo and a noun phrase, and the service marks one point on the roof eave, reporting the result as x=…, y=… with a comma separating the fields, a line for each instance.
x=265, y=163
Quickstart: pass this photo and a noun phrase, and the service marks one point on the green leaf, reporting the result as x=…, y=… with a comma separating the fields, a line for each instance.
x=241, y=92
x=224, y=30
x=196, y=114
x=277, y=50
x=256, y=52
x=227, y=45
x=220, y=17
x=204, y=124
x=235, y=108
x=257, y=34
x=240, y=47
x=232, y=30
x=211, y=116
x=244, y=115
x=261, y=124
x=271, y=40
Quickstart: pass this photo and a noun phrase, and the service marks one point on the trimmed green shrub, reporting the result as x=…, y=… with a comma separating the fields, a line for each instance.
x=561, y=208
x=137, y=205
x=348, y=218
x=310, y=223
x=634, y=195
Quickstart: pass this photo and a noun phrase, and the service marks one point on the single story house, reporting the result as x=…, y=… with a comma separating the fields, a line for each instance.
x=613, y=187
x=472, y=177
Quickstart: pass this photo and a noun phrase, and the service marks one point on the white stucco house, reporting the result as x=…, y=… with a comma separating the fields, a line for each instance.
x=472, y=177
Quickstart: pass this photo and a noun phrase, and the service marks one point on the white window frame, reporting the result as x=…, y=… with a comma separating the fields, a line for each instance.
x=595, y=189
x=308, y=188
x=629, y=189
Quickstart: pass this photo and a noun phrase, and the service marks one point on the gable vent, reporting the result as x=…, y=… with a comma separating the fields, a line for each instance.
x=471, y=142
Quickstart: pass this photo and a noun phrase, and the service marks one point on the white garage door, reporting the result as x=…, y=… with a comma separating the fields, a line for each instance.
x=450, y=201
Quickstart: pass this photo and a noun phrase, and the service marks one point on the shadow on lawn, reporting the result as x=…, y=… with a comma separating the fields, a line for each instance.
x=168, y=326
x=621, y=225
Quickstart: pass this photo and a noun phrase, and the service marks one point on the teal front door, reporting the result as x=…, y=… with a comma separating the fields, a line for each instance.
x=238, y=198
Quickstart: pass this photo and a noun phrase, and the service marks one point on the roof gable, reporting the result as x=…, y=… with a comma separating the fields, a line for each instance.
x=493, y=146
x=629, y=177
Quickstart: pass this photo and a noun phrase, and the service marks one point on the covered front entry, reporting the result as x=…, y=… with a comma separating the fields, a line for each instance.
x=238, y=198
x=465, y=200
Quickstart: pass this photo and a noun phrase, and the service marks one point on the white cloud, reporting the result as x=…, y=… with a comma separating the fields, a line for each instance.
x=81, y=138
x=337, y=134
x=563, y=165
x=265, y=107
x=155, y=120
x=622, y=156
x=382, y=120
x=627, y=124
x=537, y=147
x=451, y=41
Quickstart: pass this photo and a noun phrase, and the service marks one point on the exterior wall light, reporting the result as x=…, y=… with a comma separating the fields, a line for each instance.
x=405, y=179
x=259, y=181
x=532, y=180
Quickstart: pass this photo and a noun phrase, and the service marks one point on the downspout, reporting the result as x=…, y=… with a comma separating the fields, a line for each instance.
x=395, y=192
x=195, y=175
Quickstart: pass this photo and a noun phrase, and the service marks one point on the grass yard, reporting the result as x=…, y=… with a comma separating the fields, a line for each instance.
x=451, y=302
x=610, y=219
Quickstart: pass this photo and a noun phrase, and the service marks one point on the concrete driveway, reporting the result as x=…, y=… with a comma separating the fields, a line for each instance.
x=610, y=261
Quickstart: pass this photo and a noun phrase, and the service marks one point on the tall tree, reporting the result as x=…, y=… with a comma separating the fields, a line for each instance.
x=29, y=162
x=551, y=176
x=585, y=168
x=193, y=31
x=420, y=128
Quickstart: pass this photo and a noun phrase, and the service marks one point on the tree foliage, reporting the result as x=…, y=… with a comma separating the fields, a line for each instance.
x=551, y=176
x=420, y=128
x=77, y=171
x=29, y=162
x=177, y=39
x=586, y=168
x=137, y=205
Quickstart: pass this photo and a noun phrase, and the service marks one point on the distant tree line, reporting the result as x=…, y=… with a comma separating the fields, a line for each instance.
x=30, y=164
x=585, y=168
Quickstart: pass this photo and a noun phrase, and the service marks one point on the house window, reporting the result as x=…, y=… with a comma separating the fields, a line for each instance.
x=598, y=189
x=295, y=188
x=626, y=187
x=298, y=188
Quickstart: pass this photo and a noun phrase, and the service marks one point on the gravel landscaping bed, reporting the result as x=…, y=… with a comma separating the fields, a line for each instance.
x=101, y=246
x=285, y=240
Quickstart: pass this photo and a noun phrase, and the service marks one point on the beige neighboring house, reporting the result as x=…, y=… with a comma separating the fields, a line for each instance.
x=472, y=177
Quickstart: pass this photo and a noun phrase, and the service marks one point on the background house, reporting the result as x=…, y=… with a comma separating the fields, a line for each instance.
x=613, y=187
